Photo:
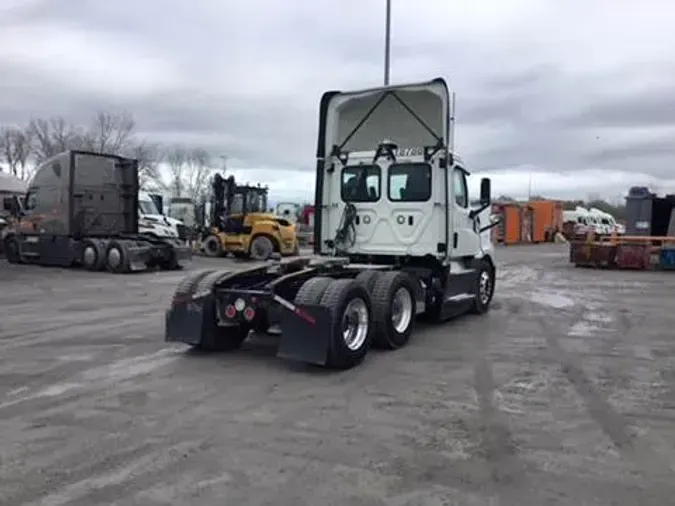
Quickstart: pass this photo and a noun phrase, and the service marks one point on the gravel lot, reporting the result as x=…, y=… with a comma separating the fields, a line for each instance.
x=563, y=394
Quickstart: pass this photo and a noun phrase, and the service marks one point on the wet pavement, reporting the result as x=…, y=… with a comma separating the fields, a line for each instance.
x=564, y=394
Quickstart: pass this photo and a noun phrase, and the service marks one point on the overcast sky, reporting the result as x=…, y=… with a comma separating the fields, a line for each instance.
x=576, y=96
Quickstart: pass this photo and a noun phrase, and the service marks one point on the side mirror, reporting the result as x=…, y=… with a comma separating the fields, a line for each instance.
x=485, y=191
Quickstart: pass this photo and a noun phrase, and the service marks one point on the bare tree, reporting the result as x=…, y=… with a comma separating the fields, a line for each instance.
x=16, y=149
x=53, y=136
x=198, y=173
x=110, y=133
x=149, y=158
x=189, y=171
x=23, y=150
x=176, y=158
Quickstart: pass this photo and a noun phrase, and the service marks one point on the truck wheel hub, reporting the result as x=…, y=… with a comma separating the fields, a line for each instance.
x=401, y=310
x=355, y=324
x=114, y=257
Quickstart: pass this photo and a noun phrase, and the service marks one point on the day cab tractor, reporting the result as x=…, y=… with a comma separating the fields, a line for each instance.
x=81, y=209
x=395, y=238
x=241, y=224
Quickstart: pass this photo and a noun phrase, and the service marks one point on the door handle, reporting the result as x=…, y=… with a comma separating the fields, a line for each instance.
x=410, y=220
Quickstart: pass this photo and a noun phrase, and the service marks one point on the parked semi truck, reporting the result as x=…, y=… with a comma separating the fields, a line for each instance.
x=395, y=238
x=152, y=220
x=81, y=208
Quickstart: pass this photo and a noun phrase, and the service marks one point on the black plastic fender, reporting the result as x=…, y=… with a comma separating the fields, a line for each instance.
x=183, y=319
x=191, y=318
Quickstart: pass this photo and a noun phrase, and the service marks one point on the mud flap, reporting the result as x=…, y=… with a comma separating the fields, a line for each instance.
x=138, y=255
x=190, y=321
x=306, y=334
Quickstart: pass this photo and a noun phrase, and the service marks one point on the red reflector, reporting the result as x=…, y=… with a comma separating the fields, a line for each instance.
x=230, y=311
x=249, y=314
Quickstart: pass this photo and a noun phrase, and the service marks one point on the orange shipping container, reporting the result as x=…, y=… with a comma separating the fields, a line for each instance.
x=547, y=219
x=510, y=228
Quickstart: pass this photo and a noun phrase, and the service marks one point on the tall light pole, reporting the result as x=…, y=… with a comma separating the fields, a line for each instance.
x=387, y=42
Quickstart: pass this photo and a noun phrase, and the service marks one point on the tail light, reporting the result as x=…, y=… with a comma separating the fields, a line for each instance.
x=249, y=314
x=230, y=311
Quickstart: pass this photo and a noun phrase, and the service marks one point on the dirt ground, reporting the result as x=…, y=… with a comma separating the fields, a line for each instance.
x=564, y=394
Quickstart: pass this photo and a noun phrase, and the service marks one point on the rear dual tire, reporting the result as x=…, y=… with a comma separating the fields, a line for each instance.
x=351, y=317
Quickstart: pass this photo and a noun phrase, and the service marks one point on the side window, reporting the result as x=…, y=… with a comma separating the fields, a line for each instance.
x=409, y=182
x=30, y=201
x=361, y=183
x=459, y=189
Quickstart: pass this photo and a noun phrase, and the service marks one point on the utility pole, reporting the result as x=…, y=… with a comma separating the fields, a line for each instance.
x=387, y=43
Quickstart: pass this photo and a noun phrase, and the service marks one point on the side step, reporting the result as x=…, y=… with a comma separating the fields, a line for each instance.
x=460, y=297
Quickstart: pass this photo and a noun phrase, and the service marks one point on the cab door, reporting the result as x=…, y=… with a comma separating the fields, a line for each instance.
x=466, y=238
x=28, y=228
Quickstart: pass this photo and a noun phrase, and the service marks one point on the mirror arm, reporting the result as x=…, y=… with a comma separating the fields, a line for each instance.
x=475, y=212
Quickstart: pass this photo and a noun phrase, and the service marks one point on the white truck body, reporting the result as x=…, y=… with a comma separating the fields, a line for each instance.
x=151, y=221
x=607, y=222
x=415, y=202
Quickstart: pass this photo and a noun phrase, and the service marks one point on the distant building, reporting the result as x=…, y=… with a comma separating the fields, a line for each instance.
x=10, y=185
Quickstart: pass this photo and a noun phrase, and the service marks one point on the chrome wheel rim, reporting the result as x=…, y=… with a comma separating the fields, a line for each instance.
x=114, y=258
x=89, y=256
x=401, y=310
x=355, y=323
x=484, y=287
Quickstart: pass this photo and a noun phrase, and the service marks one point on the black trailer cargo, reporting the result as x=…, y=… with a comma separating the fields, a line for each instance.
x=81, y=208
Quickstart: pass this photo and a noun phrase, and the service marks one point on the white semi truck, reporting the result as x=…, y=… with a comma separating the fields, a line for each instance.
x=151, y=220
x=395, y=237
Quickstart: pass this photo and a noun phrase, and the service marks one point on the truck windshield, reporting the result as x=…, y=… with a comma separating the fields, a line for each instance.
x=147, y=207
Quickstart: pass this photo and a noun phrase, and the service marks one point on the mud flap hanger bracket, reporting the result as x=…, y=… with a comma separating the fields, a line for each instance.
x=386, y=148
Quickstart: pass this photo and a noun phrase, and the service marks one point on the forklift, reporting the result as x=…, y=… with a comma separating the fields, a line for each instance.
x=240, y=224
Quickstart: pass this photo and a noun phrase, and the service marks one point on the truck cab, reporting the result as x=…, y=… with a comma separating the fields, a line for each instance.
x=392, y=191
x=409, y=191
x=81, y=208
x=395, y=234
x=152, y=221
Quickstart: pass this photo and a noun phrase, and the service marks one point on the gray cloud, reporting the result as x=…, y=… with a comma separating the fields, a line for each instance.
x=244, y=79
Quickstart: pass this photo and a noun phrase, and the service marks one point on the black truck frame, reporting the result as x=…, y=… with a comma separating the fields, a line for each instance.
x=81, y=209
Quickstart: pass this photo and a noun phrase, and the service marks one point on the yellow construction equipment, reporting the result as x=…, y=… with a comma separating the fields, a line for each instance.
x=240, y=223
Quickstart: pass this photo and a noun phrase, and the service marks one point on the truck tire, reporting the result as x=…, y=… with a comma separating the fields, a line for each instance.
x=367, y=278
x=261, y=248
x=312, y=290
x=484, y=289
x=351, y=313
x=12, y=250
x=205, y=283
x=394, y=309
x=116, y=258
x=188, y=284
x=93, y=255
x=212, y=246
